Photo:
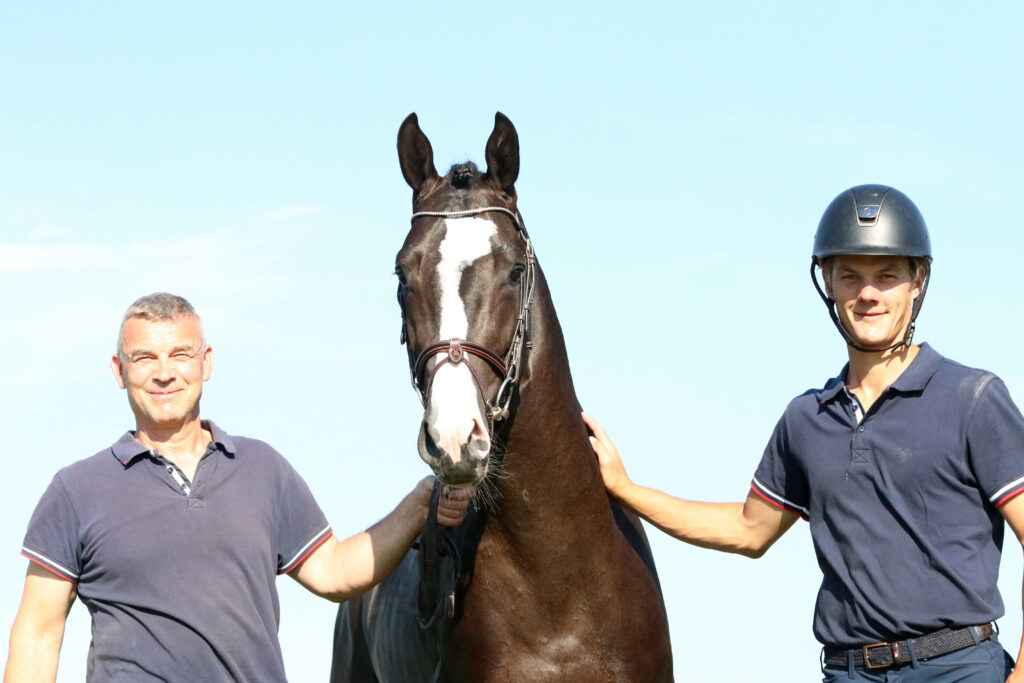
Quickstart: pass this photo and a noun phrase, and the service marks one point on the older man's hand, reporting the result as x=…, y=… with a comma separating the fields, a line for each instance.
x=451, y=509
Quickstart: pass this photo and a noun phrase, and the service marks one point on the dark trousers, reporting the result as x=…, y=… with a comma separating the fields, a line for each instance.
x=987, y=662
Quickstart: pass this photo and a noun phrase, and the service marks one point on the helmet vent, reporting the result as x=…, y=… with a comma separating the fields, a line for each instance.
x=867, y=212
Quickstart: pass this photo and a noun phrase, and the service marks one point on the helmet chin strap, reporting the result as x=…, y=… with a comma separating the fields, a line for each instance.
x=908, y=337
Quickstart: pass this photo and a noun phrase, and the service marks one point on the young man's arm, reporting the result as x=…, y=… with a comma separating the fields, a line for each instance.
x=1013, y=512
x=339, y=570
x=747, y=528
x=39, y=627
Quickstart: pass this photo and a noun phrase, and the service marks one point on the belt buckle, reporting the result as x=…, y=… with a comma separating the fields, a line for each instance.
x=892, y=648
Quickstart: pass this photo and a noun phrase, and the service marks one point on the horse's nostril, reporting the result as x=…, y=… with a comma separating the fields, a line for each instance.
x=479, y=439
x=429, y=444
x=478, y=431
x=471, y=455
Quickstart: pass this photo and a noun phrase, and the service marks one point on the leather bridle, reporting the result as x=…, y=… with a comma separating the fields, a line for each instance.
x=456, y=350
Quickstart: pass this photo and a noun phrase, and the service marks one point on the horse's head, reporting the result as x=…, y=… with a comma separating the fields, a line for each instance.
x=465, y=279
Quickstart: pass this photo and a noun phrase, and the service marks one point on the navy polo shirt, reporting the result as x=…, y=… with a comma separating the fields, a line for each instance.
x=180, y=585
x=903, y=503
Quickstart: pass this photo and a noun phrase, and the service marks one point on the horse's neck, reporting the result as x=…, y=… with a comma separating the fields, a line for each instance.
x=550, y=476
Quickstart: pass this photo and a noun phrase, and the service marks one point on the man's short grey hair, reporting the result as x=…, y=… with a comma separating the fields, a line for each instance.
x=158, y=306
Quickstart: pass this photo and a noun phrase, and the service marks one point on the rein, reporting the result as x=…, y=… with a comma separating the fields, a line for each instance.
x=507, y=366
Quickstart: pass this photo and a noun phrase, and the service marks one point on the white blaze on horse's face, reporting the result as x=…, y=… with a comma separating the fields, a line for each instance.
x=454, y=416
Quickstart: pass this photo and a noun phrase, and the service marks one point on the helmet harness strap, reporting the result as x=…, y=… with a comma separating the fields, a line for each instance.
x=830, y=303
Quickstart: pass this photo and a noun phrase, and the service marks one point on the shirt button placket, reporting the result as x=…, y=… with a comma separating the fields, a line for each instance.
x=858, y=449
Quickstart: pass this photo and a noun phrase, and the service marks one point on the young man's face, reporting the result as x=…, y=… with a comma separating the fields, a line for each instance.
x=163, y=365
x=874, y=296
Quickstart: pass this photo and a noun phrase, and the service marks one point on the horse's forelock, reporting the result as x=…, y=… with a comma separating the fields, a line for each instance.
x=463, y=176
x=463, y=187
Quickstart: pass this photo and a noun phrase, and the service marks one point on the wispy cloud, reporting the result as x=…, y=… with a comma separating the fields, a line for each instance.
x=48, y=232
x=73, y=293
x=40, y=257
x=22, y=257
x=297, y=210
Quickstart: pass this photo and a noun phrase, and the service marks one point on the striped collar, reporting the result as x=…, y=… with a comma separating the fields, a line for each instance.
x=914, y=379
x=127, y=449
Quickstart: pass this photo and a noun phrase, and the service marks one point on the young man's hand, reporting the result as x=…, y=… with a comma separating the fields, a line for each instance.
x=613, y=472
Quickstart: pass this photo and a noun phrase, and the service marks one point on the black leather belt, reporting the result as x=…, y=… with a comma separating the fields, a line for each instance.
x=896, y=653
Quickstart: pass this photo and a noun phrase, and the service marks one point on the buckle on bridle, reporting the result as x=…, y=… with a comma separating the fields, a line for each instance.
x=455, y=352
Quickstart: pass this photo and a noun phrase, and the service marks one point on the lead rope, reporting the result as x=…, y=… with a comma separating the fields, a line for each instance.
x=436, y=602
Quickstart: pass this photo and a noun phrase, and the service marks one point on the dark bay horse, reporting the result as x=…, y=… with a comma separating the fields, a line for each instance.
x=555, y=581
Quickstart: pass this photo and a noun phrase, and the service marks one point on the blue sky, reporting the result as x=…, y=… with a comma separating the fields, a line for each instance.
x=676, y=158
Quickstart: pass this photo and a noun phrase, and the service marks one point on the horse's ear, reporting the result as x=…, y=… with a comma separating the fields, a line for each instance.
x=503, y=154
x=415, y=154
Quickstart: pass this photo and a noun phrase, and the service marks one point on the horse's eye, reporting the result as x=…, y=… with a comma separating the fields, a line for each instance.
x=516, y=275
x=401, y=276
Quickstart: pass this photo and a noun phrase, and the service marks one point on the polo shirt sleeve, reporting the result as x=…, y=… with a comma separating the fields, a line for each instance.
x=53, y=532
x=995, y=441
x=779, y=479
x=301, y=525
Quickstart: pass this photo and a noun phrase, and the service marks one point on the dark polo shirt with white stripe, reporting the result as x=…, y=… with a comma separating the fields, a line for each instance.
x=179, y=580
x=903, y=500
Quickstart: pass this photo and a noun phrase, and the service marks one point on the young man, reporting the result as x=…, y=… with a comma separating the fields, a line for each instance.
x=905, y=465
x=173, y=536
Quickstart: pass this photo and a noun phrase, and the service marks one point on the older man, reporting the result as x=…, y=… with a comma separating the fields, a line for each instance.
x=905, y=465
x=174, y=535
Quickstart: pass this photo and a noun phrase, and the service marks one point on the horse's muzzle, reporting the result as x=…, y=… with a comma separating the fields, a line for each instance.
x=468, y=470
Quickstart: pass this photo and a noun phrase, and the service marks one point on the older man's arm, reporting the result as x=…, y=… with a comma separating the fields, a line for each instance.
x=38, y=629
x=341, y=569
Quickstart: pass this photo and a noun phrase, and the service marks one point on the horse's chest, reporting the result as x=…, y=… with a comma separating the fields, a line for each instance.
x=522, y=621
x=481, y=655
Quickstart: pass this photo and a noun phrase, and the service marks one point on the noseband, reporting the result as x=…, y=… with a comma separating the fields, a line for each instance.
x=508, y=366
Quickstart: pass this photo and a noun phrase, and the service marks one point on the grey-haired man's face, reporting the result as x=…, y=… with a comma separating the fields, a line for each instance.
x=162, y=366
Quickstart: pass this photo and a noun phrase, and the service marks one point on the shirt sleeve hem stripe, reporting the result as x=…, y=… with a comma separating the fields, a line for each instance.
x=1000, y=495
x=305, y=551
x=778, y=501
x=49, y=565
x=1008, y=497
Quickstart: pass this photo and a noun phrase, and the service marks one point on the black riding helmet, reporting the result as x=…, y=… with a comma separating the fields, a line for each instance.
x=872, y=220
